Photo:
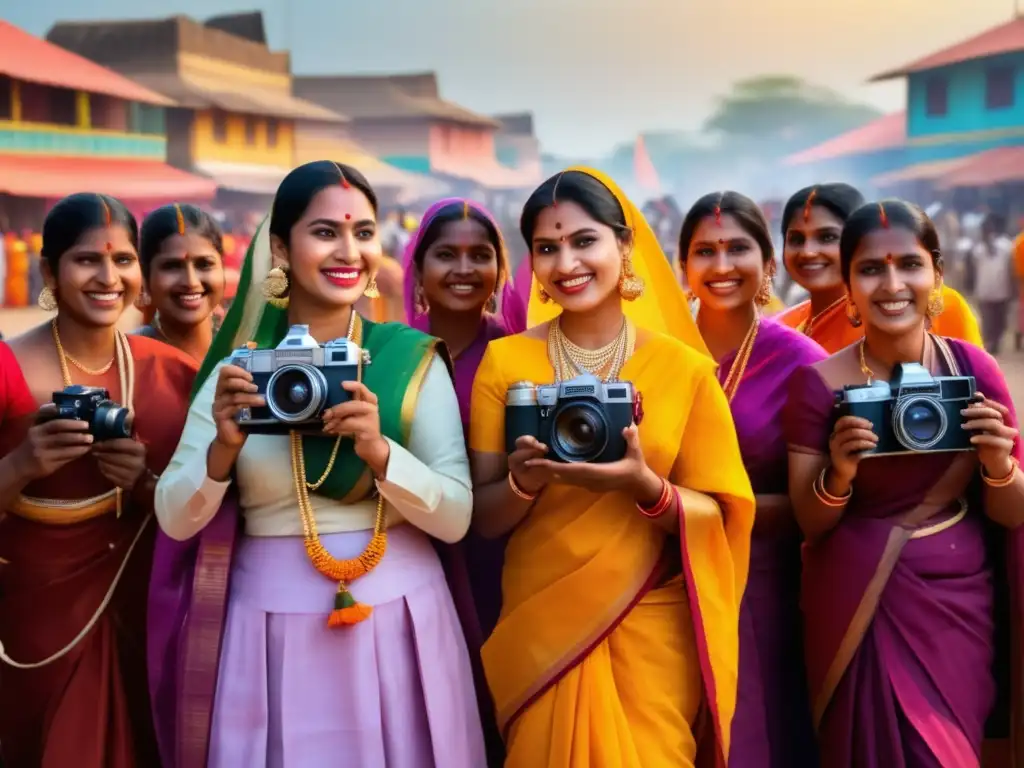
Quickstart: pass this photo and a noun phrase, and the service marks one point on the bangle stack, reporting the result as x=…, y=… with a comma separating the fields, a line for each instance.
x=826, y=498
x=661, y=505
x=1001, y=482
x=519, y=491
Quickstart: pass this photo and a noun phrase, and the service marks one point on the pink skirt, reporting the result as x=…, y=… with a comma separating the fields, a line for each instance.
x=395, y=691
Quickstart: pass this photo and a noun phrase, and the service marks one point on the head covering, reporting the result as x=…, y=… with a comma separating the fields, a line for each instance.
x=511, y=314
x=662, y=307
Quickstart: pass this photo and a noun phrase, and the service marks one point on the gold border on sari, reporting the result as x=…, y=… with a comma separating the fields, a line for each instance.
x=61, y=512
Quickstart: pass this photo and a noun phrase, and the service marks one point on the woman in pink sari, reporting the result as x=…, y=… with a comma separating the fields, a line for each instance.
x=908, y=559
x=725, y=248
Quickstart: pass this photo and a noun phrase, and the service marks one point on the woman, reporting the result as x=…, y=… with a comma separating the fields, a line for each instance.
x=812, y=223
x=183, y=267
x=78, y=498
x=456, y=265
x=904, y=602
x=384, y=678
x=726, y=250
x=612, y=636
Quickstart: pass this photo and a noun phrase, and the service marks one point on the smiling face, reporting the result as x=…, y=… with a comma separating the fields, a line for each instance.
x=891, y=277
x=460, y=268
x=724, y=264
x=334, y=248
x=576, y=259
x=94, y=284
x=186, y=279
x=811, y=253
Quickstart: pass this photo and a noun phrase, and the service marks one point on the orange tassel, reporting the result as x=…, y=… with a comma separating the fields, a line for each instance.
x=346, y=610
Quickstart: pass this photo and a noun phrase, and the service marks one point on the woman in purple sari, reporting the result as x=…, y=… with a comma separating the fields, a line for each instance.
x=457, y=287
x=912, y=571
x=726, y=249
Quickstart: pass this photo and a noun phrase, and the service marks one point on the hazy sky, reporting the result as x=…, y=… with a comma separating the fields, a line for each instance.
x=594, y=72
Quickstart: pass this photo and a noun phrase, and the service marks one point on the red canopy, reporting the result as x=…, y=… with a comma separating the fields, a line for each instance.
x=994, y=166
x=49, y=176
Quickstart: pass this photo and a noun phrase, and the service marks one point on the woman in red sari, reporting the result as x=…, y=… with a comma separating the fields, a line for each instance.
x=909, y=554
x=76, y=532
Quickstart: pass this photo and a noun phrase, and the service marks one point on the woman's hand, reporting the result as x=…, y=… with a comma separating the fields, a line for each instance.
x=851, y=437
x=235, y=390
x=529, y=479
x=122, y=461
x=994, y=440
x=52, y=443
x=359, y=419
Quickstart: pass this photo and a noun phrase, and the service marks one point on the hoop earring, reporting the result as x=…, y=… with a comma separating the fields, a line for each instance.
x=47, y=299
x=275, y=288
x=936, y=303
x=543, y=296
x=419, y=303
x=631, y=287
x=372, y=291
x=853, y=314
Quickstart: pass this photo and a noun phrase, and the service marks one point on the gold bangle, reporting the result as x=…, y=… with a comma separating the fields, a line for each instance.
x=1001, y=482
x=826, y=498
x=519, y=491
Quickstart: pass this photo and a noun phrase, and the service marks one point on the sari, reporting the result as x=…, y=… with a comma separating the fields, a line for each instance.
x=90, y=707
x=617, y=644
x=833, y=331
x=772, y=726
x=906, y=601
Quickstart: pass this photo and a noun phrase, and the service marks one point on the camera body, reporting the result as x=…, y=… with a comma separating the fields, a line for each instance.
x=106, y=419
x=915, y=412
x=580, y=420
x=299, y=380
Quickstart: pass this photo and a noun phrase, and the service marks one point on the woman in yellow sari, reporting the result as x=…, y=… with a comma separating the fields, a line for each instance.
x=617, y=641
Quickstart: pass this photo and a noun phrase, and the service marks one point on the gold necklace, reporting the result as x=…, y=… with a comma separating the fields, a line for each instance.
x=870, y=374
x=614, y=355
x=64, y=356
x=739, y=364
x=810, y=324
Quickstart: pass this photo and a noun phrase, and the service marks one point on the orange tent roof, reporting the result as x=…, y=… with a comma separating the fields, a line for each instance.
x=29, y=58
x=994, y=166
x=886, y=132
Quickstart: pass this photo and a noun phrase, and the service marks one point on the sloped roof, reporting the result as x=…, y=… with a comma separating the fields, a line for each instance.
x=886, y=132
x=386, y=96
x=983, y=169
x=1005, y=38
x=33, y=60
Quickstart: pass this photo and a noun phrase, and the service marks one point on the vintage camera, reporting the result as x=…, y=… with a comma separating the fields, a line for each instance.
x=580, y=420
x=915, y=412
x=106, y=419
x=299, y=380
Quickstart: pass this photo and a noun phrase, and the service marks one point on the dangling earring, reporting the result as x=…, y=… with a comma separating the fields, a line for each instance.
x=853, y=314
x=936, y=303
x=143, y=301
x=420, y=301
x=690, y=296
x=631, y=287
x=491, y=306
x=763, y=297
x=371, y=291
x=275, y=288
x=47, y=299
x=543, y=295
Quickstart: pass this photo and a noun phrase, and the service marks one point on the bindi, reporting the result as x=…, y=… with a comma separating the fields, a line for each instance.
x=809, y=203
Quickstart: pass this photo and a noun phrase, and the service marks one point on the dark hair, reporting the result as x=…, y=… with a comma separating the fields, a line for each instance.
x=302, y=184
x=458, y=211
x=163, y=223
x=77, y=214
x=747, y=213
x=884, y=215
x=576, y=187
x=841, y=200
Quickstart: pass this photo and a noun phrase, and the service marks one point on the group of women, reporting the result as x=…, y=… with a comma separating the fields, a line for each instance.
x=743, y=588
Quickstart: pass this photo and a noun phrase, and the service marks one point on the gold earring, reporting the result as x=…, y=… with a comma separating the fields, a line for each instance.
x=143, y=301
x=690, y=295
x=631, y=287
x=543, y=295
x=47, y=299
x=275, y=288
x=420, y=301
x=853, y=314
x=763, y=297
x=936, y=303
x=372, y=291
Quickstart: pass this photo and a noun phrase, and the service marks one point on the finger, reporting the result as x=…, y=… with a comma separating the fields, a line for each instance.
x=66, y=439
x=522, y=455
x=63, y=425
x=123, y=445
x=853, y=449
x=234, y=372
x=996, y=405
x=632, y=437
x=359, y=391
x=351, y=408
x=235, y=385
x=851, y=422
x=992, y=441
x=47, y=410
x=982, y=412
x=544, y=464
x=67, y=453
x=239, y=400
x=117, y=460
x=529, y=442
x=846, y=436
x=991, y=426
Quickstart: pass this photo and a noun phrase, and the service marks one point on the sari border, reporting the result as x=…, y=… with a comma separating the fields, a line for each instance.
x=415, y=386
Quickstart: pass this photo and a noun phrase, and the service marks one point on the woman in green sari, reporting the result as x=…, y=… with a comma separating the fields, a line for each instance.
x=341, y=644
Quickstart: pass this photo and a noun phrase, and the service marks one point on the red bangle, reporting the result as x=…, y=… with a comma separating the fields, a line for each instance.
x=661, y=506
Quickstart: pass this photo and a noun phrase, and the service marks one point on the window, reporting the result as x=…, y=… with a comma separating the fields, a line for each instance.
x=936, y=96
x=6, y=98
x=999, y=87
x=271, y=132
x=220, y=127
x=63, y=106
x=250, y=131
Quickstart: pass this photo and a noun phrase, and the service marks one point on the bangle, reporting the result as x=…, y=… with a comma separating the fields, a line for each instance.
x=660, y=506
x=826, y=498
x=519, y=491
x=1001, y=482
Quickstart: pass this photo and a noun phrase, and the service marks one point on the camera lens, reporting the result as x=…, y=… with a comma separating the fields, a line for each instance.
x=919, y=423
x=296, y=392
x=580, y=433
x=111, y=421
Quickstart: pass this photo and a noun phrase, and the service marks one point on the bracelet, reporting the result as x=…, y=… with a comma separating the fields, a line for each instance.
x=826, y=498
x=660, y=506
x=1001, y=482
x=519, y=491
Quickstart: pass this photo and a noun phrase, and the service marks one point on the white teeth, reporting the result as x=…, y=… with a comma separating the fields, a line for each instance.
x=462, y=288
x=724, y=284
x=188, y=297
x=576, y=281
x=342, y=274
x=104, y=296
x=813, y=267
x=894, y=306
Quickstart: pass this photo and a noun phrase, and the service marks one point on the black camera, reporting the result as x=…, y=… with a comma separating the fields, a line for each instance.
x=580, y=420
x=298, y=380
x=106, y=419
x=915, y=412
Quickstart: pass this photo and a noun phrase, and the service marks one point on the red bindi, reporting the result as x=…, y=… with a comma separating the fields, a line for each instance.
x=348, y=216
x=558, y=225
x=721, y=241
x=718, y=215
x=110, y=247
x=889, y=259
